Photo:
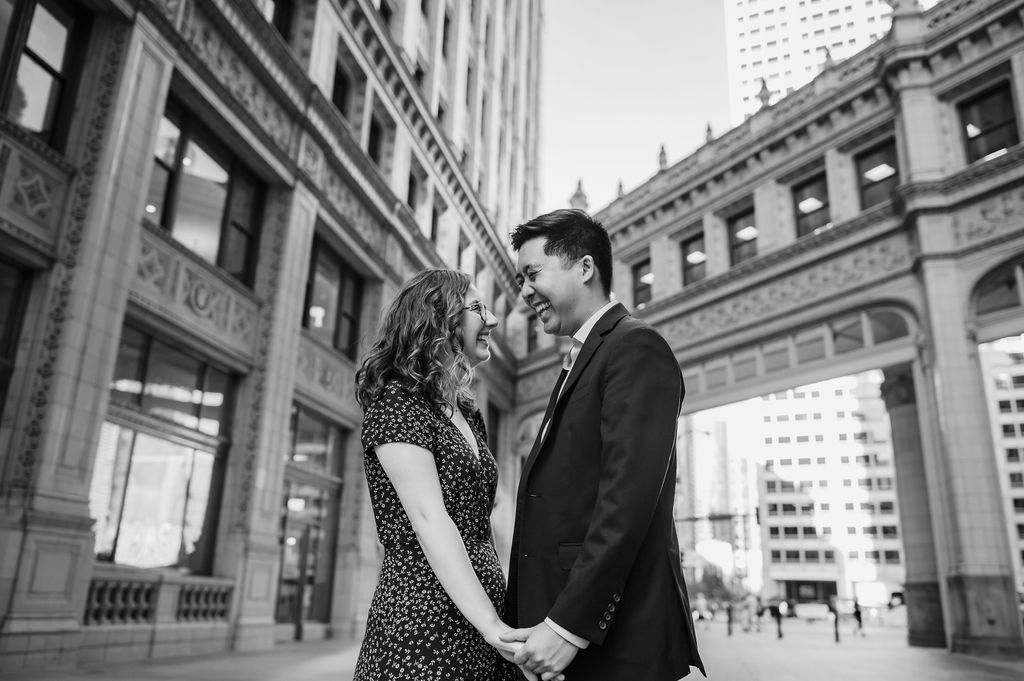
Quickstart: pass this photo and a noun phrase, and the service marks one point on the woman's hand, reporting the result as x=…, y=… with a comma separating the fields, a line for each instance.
x=508, y=651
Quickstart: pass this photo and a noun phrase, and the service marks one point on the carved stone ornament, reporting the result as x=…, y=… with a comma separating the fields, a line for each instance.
x=792, y=292
x=22, y=471
x=231, y=71
x=170, y=280
x=344, y=200
x=33, y=194
x=326, y=376
x=1003, y=213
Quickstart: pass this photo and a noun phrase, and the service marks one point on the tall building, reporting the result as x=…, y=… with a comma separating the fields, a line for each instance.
x=869, y=221
x=799, y=484
x=1003, y=361
x=204, y=207
x=786, y=43
x=828, y=501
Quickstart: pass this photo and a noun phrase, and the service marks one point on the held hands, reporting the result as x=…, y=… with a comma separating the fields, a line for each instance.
x=542, y=654
x=508, y=650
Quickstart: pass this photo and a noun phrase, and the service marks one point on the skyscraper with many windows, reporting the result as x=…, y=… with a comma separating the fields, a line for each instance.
x=788, y=42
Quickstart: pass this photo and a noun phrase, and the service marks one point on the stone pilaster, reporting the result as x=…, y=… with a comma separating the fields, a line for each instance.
x=841, y=176
x=925, y=626
x=250, y=516
x=667, y=266
x=973, y=553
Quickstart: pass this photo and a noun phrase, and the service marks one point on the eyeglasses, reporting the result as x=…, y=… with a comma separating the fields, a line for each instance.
x=480, y=309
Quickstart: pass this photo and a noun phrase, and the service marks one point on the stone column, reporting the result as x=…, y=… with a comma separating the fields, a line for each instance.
x=250, y=517
x=841, y=177
x=975, y=570
x=925, y=626
x=667, y=266
x=71, y=343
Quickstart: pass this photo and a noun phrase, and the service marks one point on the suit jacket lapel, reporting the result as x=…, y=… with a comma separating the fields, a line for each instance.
x=605, y=324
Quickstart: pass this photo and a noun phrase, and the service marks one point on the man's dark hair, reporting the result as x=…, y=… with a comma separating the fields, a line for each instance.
x=571, y=234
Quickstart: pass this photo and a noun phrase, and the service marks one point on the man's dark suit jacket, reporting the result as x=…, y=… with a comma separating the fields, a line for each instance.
x=594, y=546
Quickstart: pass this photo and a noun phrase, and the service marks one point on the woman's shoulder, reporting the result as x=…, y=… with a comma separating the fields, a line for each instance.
x=398, y=394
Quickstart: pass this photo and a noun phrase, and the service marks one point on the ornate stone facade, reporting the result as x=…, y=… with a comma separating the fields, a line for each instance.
x=954, y=215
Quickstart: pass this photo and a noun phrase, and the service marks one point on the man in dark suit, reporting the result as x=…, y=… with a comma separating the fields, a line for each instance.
x=595, y=581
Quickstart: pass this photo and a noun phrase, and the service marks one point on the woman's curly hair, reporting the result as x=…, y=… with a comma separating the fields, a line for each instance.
x=419, y=343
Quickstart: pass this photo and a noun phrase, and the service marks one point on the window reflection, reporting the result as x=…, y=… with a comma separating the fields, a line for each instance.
x=206, y=198
x=36, y=100
x=150, y=499
x=171, y=385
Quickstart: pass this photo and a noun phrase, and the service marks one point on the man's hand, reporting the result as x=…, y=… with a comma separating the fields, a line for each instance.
x=544, y=653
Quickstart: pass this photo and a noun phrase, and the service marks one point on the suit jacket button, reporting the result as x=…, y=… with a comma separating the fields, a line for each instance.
x=608, y=616
x=602, y=625
x=616, y=597
x=611, y=607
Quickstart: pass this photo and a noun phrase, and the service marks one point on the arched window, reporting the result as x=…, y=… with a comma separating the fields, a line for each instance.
x=1001, y=289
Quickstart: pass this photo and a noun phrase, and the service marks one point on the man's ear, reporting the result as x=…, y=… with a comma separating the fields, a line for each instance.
x=589, y=269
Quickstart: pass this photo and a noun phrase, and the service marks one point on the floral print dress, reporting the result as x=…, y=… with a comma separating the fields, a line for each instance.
x=414, y=631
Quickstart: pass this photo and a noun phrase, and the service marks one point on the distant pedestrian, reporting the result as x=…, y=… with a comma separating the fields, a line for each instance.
x=858, y=618
x=776, y=612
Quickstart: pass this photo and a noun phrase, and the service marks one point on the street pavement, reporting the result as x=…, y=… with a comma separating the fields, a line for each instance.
x=807, y=652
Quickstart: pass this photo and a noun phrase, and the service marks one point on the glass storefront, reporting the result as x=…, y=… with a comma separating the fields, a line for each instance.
x=309, y=520
x=160, y=461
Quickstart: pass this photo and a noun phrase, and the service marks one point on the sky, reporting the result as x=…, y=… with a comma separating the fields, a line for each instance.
x=620, y=78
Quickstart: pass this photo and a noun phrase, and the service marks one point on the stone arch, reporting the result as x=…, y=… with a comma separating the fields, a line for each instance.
x=845, y=341
x=996, y=301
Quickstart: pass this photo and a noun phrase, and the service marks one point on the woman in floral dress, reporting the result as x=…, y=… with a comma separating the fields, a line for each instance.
x=436, y=613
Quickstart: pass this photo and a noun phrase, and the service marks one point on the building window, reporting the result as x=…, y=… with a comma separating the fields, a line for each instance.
x=436, y=211
x=342, y=89
x=13, y=294
x=334, y=300
x=531, y=333
x=642, y=280
x=445, y=32
x=279, y=13
x=812, y=211
x=386, y=12
x=989, y=123
x=375, y=141
x=742, y=237
x=154, y=500
x=156, y=482
x=205, y=197
x=694, y=259
x=877, y=174
x=41, y=42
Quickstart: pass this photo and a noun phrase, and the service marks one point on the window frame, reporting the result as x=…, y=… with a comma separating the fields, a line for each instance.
x=14, y=47
x=1003, y=85
x=820, y=218
x=864, y=188
x=642, y=291
x=692, y=273
x=348, y=275
x=738, y=247
x=191, y=129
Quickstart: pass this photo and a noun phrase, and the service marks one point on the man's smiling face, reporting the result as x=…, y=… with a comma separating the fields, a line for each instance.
x=551, y=287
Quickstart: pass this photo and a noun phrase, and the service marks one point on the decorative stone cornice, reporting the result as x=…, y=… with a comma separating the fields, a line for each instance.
x=792, y=253
x=824, y=279
x=173, y=283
